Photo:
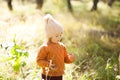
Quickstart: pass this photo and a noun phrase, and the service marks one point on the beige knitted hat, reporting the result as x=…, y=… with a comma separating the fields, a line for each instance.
x=52, y=26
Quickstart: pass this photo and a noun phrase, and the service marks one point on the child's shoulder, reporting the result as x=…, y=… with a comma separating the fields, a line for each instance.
x=43, y=45
x=60, y=43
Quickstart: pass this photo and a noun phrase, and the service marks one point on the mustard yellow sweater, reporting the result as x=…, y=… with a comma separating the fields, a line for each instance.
x=55, y=52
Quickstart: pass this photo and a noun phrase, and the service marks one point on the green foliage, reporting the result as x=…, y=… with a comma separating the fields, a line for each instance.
x=102, y=59
x=16, y=55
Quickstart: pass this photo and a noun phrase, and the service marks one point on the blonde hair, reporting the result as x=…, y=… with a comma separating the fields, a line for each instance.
x=52, y=26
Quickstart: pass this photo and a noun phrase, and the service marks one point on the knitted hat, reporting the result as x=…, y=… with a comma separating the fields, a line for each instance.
x=52, y=26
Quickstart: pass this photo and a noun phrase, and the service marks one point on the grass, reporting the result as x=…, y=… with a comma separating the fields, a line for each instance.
x=93, y=37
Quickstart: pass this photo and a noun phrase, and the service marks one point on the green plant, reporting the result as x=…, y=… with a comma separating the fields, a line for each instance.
x=16, y=55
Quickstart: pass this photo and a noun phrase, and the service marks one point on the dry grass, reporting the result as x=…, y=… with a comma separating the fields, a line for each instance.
x=26, y=22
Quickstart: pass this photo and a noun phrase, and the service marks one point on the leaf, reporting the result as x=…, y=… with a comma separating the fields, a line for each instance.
x=108, y=66
x=6, y=59
x=23, y=64
x=16, y=65
x=13, y=52
x=26, y=54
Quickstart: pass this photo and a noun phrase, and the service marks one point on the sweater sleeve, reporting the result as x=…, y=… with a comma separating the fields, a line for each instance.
x=41, y=57
x=66, y=56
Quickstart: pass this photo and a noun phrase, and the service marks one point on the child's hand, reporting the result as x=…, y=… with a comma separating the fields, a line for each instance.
x=53, y=67
x=71, y=57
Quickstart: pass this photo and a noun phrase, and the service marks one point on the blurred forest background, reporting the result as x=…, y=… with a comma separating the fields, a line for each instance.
x=92, y=34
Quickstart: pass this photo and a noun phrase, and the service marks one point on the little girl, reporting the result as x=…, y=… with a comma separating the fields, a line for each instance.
x=52, y=54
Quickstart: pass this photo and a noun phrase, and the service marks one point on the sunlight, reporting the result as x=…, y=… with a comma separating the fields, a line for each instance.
x=93, y=37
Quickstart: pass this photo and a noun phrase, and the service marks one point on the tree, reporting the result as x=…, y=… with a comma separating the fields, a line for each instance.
x=69, y=5
x=95, y=2
x=110, y=2
x=9, y=3
x=39, y=3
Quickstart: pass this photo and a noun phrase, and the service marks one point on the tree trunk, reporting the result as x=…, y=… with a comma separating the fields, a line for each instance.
x=110, y=2
x=95, y=2
x=39, y=4
x=69, y=5
x=9, y=3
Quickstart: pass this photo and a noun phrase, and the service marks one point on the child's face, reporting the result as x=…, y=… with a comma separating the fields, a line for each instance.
x=56, y=38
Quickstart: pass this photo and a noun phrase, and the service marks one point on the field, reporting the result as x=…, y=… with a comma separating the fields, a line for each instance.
x=93, y=37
